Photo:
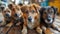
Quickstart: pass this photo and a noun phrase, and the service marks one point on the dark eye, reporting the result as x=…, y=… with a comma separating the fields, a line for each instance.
x=9, y=11
x=32, y=11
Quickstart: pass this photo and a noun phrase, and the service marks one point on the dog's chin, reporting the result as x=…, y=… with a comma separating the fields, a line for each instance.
x=49, y=22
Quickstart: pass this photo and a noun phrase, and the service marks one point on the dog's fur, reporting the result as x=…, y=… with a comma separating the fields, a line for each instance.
x=47, y=18
x=7, y=16
x=16, y=18
x=31, y=18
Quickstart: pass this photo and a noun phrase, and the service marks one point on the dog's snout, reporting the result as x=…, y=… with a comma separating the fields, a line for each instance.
x=16, y=15
x=7, y=15
x=48, y=19
x=29, y=18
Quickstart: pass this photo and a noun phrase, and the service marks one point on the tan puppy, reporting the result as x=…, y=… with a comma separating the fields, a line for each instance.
x=7, y=16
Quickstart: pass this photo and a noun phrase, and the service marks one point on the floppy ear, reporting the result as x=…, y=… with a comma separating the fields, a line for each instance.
x=20, y=4
x=55, y=9
x=42, y=10
x=37, y=7
x=10, y=6
x=22, y=9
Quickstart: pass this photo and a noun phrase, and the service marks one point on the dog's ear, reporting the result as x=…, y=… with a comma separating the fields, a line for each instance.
x=20, y=4
x=10, y=6
x=42, y=10
x=55, y=9
x=24, y=8
x=37, y=7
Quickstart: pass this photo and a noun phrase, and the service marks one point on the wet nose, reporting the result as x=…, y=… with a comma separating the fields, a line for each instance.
x=16, y=15
x=30, y=19
x=49, y=19
x=7, y=15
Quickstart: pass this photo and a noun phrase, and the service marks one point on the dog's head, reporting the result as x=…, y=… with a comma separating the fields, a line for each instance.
x=33, y=15
x=48, y=14
x=16, y=12
x=6, y=13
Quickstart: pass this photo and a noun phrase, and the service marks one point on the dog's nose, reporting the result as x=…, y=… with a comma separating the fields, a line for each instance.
x=49, y=19
x=30, y=19
x=7, y=15
x=16, y=15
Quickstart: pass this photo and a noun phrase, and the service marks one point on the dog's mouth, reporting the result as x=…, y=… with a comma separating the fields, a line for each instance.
x=17, y=16
x=48, y=21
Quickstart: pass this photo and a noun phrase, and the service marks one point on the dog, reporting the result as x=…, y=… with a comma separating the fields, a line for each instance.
x=16, y=11
x=31, y=18
x=7, y=16
x=48, y=17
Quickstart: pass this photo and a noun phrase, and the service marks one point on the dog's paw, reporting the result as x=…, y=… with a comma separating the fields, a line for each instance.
x=39, y=30
x=58, y=29
x=24, y=31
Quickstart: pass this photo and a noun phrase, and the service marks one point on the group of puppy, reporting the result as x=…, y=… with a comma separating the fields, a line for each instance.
x=31, y=16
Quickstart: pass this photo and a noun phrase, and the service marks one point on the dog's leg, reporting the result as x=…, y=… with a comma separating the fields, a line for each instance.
x=39, y=30
x=48, y=31
x=55, y=28
x=24, y=30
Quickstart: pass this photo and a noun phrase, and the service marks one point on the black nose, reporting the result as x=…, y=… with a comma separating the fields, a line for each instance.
x=30, y=19
x=49, y=19
x=7, y=15
x=16, y=15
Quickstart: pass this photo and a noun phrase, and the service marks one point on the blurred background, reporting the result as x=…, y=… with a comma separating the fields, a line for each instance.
x=43, y=3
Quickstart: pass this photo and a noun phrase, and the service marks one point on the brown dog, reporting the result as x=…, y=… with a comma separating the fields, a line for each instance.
x=31, y=19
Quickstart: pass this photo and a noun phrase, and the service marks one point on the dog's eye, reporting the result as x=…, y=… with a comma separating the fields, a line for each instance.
x=9, y=11
x=4, y=11
x=32, y=11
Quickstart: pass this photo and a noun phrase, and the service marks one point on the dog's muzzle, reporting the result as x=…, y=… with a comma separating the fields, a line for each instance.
x=16, y=15
x=7, y=15
x=30, y=19
x=49, y=20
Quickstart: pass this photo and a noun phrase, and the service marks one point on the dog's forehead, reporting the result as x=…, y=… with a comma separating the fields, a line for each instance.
x=24, y=8
x=7, y=9
x=49, y=9
x=31, y=8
